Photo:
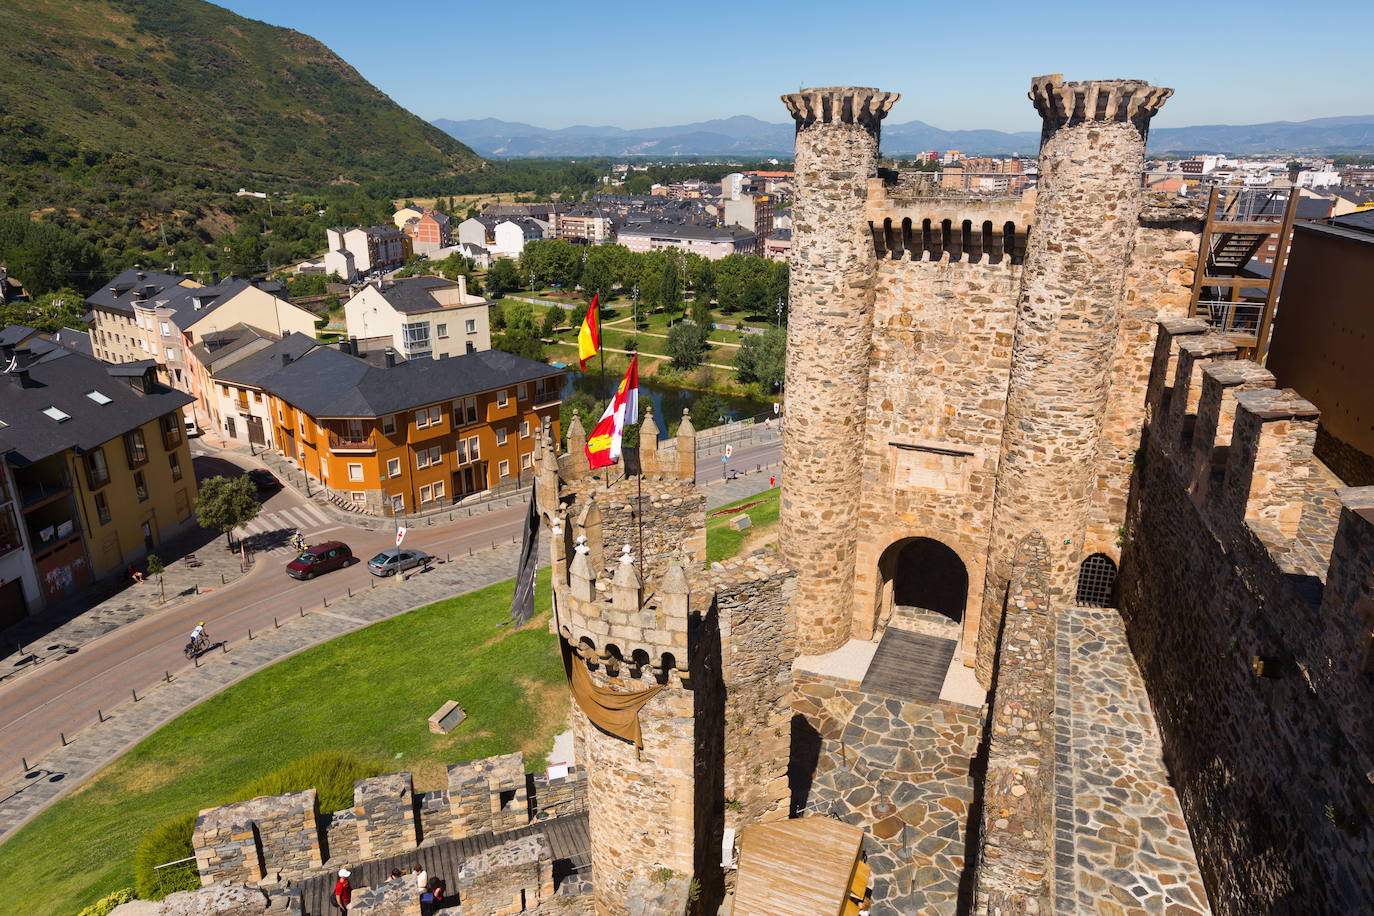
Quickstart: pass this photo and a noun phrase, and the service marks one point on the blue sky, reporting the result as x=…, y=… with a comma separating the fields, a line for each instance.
x=957, y=65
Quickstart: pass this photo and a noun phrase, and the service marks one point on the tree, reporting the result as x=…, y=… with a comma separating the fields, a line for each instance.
x=686, y=345
x=226, y=504
x=762, y=359
x=155, y=568
x=701, y=311
x=670, y=287
x=598, y=276
x=551, y=321
x=705, y=287
x=521, y=337
x=497, y=315
x=708, y=409
x=49, y=312
x=503, y=277
x=42, y=256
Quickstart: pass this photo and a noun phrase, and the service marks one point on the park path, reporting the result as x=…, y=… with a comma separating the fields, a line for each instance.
x=563, y=343
x=239, y=653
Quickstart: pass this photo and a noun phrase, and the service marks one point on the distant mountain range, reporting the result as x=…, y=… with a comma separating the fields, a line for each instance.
x=747, y=136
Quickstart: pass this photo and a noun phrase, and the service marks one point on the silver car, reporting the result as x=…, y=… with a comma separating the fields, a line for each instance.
x=390, y=562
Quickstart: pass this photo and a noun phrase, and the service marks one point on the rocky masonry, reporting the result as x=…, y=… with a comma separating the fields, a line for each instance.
x=508, y=879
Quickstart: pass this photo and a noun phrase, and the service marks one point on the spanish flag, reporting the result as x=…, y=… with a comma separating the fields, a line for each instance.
x=589, y=337
x=603, y=445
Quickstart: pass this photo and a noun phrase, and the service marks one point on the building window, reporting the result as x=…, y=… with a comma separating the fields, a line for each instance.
x=525, y=429
x=393, y=467
x=389, y=425
x=140, y=486
x=428, y=416
x=441, y=331
x=426, y=456
x=358, y=497
x=504, y=469
x=426, y=494
x=102, y=508
x=461, y=451
x=525, y=462
x=257, y=397
x=224, y=392
x=171, y=430
x=415, y=336
x=500, y=437
x=472, y=448
x=355, y=472
x=439, y=490
x=135, y=448
x=175, y=462
x=502, y=398
x=398, y=503
x=467, y=409
x=470, y=326
x=173, y=354
x=97, y=471
x=520, y=392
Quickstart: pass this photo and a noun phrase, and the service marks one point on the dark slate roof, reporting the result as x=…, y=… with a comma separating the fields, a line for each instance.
x=80, y=341
x=782, y=235
x=218, y=345
x=15, y=334
x=328, y=383
x=415, y=294
x=689, y=231
x=255, y=367
x=1260, y=202
x=1362, y=220
x=63, y=383
x=121, y=292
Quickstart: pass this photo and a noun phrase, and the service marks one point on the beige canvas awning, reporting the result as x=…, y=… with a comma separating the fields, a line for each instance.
x=802, y=867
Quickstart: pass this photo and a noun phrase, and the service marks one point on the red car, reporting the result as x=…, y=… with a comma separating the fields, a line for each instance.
x=320, y=559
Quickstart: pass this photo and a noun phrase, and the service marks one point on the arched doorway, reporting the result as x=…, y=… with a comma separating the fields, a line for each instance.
x=925, y=574
x=1096, y=582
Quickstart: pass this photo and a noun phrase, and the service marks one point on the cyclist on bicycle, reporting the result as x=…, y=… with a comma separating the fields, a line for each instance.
x=199, y=637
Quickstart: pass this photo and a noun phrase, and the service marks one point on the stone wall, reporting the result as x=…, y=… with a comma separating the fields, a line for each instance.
x=758, y=643
x=1249, y=599
x=277, y=837
x=1348, y=463
x=1015, y=861
x=507, y=879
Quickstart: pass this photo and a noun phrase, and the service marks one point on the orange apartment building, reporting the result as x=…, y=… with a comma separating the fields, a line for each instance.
x=415, y=435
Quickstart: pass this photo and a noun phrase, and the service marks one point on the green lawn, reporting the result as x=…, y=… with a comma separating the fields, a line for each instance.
x=724, y=542
x=369, y=692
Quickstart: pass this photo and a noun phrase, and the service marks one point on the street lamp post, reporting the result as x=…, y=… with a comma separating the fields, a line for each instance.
x=635, y=293
x=779, y=311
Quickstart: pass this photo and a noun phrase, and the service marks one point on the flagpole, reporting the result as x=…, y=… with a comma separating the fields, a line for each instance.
x=639, y=488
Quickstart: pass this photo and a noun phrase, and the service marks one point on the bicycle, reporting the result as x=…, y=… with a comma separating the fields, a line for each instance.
x=197, y=645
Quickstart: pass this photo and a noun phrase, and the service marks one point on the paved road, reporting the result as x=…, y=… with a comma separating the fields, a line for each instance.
x=69, y=694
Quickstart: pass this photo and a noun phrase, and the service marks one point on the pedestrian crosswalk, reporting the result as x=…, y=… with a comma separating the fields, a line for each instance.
x=271, y=529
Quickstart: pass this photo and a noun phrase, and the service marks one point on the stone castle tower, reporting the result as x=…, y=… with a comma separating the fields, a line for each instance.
x=661, y=654
x=964, y=369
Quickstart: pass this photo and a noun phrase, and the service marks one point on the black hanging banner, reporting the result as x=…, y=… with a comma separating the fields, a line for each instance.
x=522, y=602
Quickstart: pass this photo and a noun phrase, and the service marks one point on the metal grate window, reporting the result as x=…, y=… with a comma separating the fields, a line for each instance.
x=1097, y=582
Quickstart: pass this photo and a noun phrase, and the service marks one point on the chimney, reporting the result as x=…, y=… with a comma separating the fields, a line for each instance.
x=286, y=359
x=20, y=377
x=214, y=278
x=390, y=355
x=346, y=346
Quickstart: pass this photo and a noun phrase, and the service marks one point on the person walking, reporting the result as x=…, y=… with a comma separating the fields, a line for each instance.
x=343, y=891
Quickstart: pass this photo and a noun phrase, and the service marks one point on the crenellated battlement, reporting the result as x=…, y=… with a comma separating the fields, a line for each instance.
x=840, y=105
x=1062, y=103
x=932, y=227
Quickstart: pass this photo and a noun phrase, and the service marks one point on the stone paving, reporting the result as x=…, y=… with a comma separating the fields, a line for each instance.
x=1121, y=845
x=67, y=767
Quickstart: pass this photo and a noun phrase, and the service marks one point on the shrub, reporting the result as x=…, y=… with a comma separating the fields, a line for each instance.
x=330, y=773
x=167, y=842
x=105, y=904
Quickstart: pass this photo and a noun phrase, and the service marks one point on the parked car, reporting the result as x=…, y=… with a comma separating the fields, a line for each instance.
x=191, y=429
x=266, y=481
x=320, y=559
x=390, y=562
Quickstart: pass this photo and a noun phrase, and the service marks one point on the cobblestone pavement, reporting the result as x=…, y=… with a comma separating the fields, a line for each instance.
x=202, y=565
x=49, y=779
x=902, y=771
x=1121, y=845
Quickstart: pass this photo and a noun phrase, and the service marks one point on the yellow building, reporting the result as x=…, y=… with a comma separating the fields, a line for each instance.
x=98, y=465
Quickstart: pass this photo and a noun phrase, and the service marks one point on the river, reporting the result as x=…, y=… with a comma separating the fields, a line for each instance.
x=667, y=402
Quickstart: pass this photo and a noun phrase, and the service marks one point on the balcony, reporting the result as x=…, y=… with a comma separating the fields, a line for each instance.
x=38, y=489
x=1239, y=321
x=352, y=445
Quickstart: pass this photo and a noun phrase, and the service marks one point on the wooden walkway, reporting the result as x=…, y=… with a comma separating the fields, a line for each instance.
x=567, y=836
x=909, y=666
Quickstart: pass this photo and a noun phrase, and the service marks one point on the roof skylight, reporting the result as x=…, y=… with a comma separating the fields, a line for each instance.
x=53, y=413
x=99, y=398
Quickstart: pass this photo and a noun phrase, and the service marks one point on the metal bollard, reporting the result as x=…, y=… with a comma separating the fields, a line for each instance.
x=135, y=693
x=250, y=634
x=325, y=598
x=469, y=550
x=167, y=676
x=302, y=607
x=221, y=578
x=275, y=624
x=195, y=662
x=100, y=714
x=350, y=591
x=448, y=558
x=25, y=761
x=63, y=736
x=224, y=647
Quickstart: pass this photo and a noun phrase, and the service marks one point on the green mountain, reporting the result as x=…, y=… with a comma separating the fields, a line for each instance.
x=187, y=85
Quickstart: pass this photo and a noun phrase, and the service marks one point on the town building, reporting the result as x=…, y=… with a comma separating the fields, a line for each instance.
x=428, y=232
x=714, y=242
x=11, y=289
x=421, y=316
x=510, y=235
x=405, y=215
x=358, y=252
x=98, y=472
x=583, y=224
x=240, y=408
x=753, y=212
x=778, y=245
x=414, y=435
x=145, y=315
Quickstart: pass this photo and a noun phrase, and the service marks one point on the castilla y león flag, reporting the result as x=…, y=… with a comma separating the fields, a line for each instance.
x=589, y=335
x=603, y=444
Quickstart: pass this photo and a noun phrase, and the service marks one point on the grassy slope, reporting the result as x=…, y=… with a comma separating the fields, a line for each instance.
x=368, y=692
x=188, y=83
x=723, y=542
